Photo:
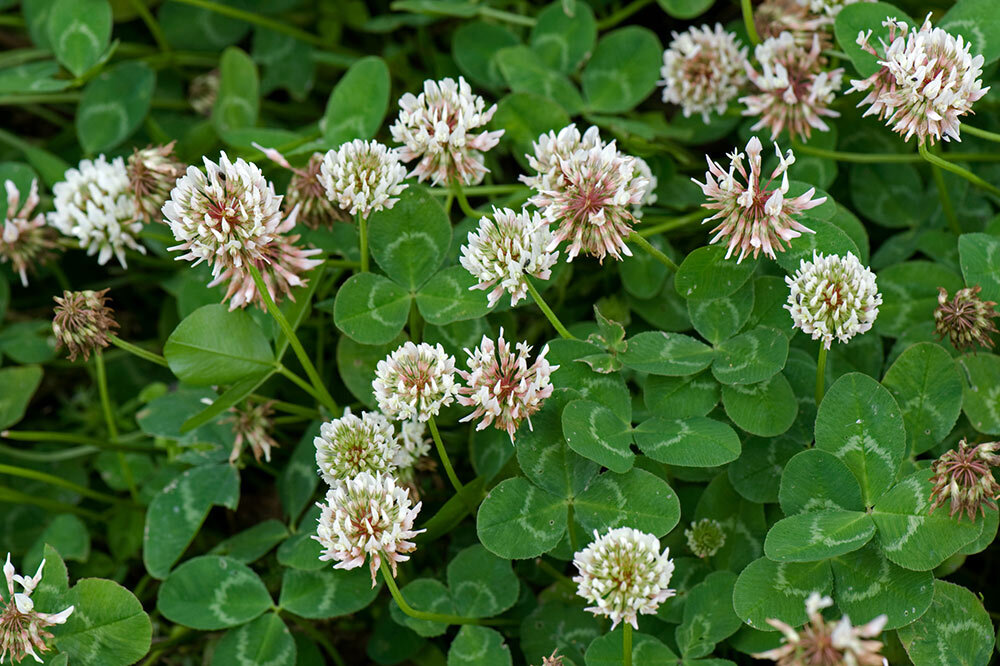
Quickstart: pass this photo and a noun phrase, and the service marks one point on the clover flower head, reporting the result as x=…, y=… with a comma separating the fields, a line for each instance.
x=703, y=69
x=251, y=423
x=754, y=216
x=829, y=7
x=967, y=319
x=705, y=537
x=502, y=387
x=350, y=445
x=230, y=217
x=552, y=147
x=642, y=170
x=438, y=128
x=367, y=516
x=623, y=573
x=203, y=92
x=83, y=321
x=413, y=444
x=415, y=381
x=833, y=297
x=794, y=92
x=94, y=204
x=306, y=192
x=22, y=628
x=821, y=642
x=505, y=249
x=362, y=177
x=152, y=173
x=25, y=240
x=928, y=81
x=773, y=17
x=963, y=478
x=554, y=659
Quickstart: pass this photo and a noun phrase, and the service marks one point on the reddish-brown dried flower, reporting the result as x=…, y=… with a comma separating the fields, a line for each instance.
x=963, y=477
x=83, y=320
x=252, y=425
x=967, y=319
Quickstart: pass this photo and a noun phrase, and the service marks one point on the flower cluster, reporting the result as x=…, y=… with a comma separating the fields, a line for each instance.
x=25, y=240
x=252, y=425
x=415, y=381
x=773, y=17
x=963, y=478
x=705, y=537
x=350, y=445
x=362, y=177
x=152, y=173
x=928, y=81
x=95, y=205
x=833, y=297
x=754, y=217
x=703, y=69
x=967, y=319
x=437, y=127
x=623, y=573
x=306, y=191
x=412, y=446
x=22, y=628
x=83, y=321
x=231, y=218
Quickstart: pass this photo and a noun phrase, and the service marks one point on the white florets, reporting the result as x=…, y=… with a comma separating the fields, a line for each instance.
x=703, y=70
x=350, y=445
x=415, y=381
x=362, y=177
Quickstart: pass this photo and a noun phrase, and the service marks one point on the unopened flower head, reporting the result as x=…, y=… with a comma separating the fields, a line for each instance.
x=413, y=444
x=438, y=128
x=252, y=425
x=502, y=387
x=415, y=381
x=623, y=574
x=351, y=444
x=794, y=92
x=95, y=205
x=362, y=177
x=368, y=515
x=642, y=170
x=152, y=173
x=22, y=628
x=306, y=192
x=755, y=216
x=703, y=69
x=967, y=319
x=25, y=240
x=833, y=297
x=507, y=248
x=827, y=643
x=203, y=92
x=829, y=7
x=928, y=81
x=83, y=321
x=231, y=218
x=705, y=537
x=963, y=478
x=773, y=17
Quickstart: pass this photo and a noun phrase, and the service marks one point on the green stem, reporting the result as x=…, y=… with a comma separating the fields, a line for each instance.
x=51, y=479
x=109, y=420
x=547, y=311
x=858, y=158
x=671, y=223
x=626, y=644
x=574, y=543
x=416, y=321
x=256, y=19
x=614, y=19
x=154, y=28
x=17, y=497
x=946, y=205
x=463, y=202
x=50, y=456
x=363, y=240
x=820, y=373
x=21, y=56
x=298, y=381
x=482, y=190
x=12, y=21
x=343, y=263
x=70, y=438
x=509, y=17
x=656, y=254
x=748, y=22
x=317, y=636
x=325, y=398
x=559, y=576
x=955, y=169
x=445, y=460
x=982, y=134
x=138, y=351
x=425, y=615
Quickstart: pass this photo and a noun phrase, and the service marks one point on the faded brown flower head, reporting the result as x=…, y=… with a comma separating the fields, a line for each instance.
x=773, y=17
x=152, y=173
x=305, y=190
x=26, y=241
x=252, y=425
x=963, y=477
x=83, y=320
x=22, y=628
x=966, y=319
x=203, y=92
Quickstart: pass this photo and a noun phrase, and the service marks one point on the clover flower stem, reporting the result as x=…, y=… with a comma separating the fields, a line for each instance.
x=309, y=630
x=51, y=479
x=343, y=263
x=656, y=254
x=820, y=373
x=614, y=19
x=574, y=543
x=154, y=28
x=71, y=438
x=448, y=201
x=416, y=323
x=138, y=351
x=109, y=419
x=556, y=575
x=510, y=17
x=626, y=644
x=449, y=470
x=982, y=134
x=748, y=22
x=433, y=617
x=671, y=223
x=49, y=457
x=363, y=240
x=946, y=205
x=955, y=169
x=324, y=396
x=547, y=311
x=11, y=496
x=256, y=19
x=482, y=190
x=857, y=158
x=463, y=202
x=298, y=381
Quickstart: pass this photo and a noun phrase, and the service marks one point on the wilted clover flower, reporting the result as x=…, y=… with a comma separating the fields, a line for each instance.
x=94, y=204
x=438, y=128
x=505, y=250
x=833, y=297
x=415, y=381
x=773, y=17
x=823, y=643
x=623, y=573
x=754, y=216
x=152, y=173
x=554, y=659
x=928, y=80
x=362, y=177
x=793, y=90
x=502, y=387
x=306, y=192
x=367, y=516
x=203, y=92
x=350, y=445
x=703, y=70
x=705, y=537
x=252, y=425
x=231, y=218
x=963, y=478
x=25, y=240
x=966, y=319
x=829, y=7
x=83, y=322
x=22, y=628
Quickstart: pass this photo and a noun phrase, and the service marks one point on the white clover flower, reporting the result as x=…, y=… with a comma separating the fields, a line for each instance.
x=415, y=381
x=231, y=218
x=95, y=205
x=413, y=444
x=642, y=170
x=501, y=386
x=623, y=573
x=753, y=216
x=833, y=297
x=506, y=249
x=152, y=173
x=350, y=445
x=22, y=628
x=362, y=177
x=773, y=17
x=829, y=7
x=551, y=148
x=703, y=69
x=367, y=516
x=928, y=80
x=25, y=240
x=438, y=128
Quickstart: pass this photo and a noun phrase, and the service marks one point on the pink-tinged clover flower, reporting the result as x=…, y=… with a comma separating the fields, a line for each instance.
x=362, y=177
x=963, y=479
x=152, y=172
x=25, y=240
x=415, y=381
x=22, y=628
x=703, y=69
